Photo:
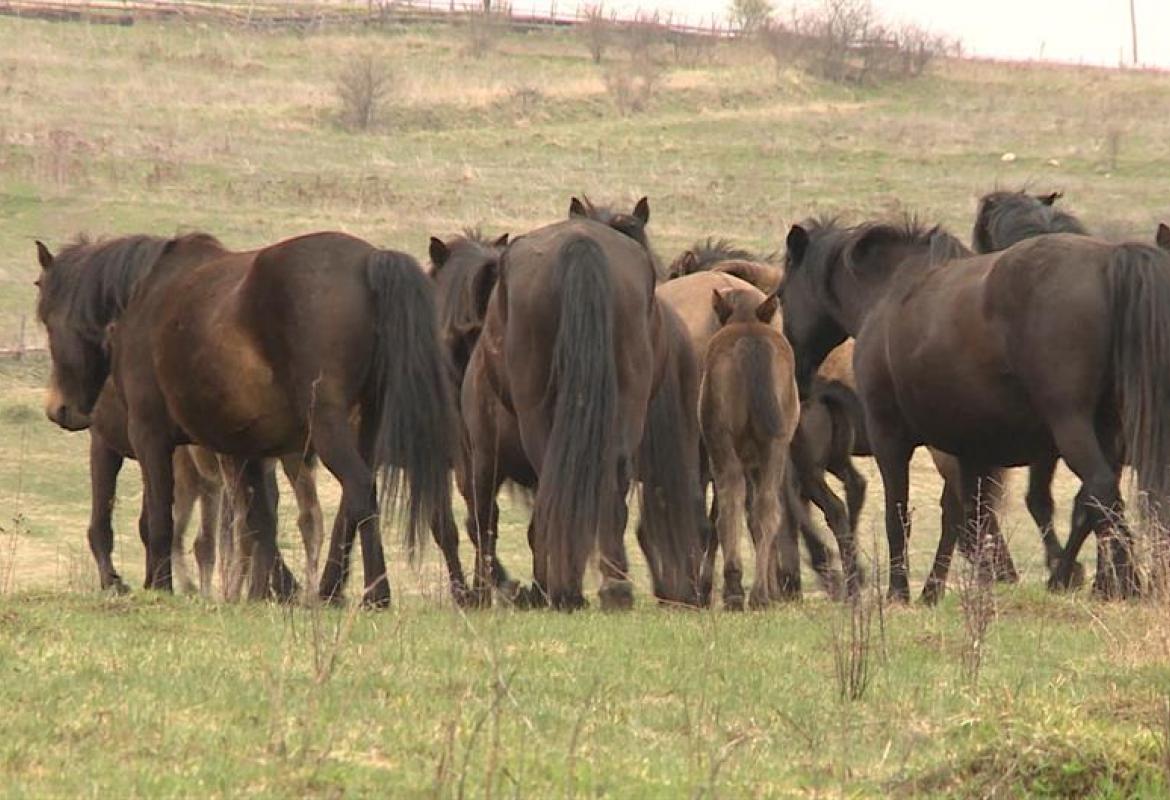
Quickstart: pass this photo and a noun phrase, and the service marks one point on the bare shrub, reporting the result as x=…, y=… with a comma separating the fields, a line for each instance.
x=691, y=49
x=597, y=30
x=844, y=42
x=750, y=16
x=853, y=637
x=641, y=37
x=525, y=96
x=362, y=89
x=976, y=592
x=484, y=29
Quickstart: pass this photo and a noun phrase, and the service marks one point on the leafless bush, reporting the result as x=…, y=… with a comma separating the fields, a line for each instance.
x=362, y=89
x=597, y=30
x=976, y=592
x=632, y=84
x=853, y=637
x=843, y=41
x=641, y=37
x=484, y=29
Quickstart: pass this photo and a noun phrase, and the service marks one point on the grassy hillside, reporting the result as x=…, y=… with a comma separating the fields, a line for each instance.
x=154, y=128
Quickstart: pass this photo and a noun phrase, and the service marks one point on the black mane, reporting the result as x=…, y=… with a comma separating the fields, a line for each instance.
x=1006, y=218
x=940, y=245
x=713, y=251
x=96, y=278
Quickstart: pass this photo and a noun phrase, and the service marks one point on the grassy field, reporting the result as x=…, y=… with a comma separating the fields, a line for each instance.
x=155, y=128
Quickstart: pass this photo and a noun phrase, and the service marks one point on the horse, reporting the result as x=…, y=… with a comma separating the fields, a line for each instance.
x=1041, y=350
x=269, y=352
x=748, y=411
x=1005, y=218
x=81, y=293
x=465, y=270
x=1162, y=237
x=549, y=359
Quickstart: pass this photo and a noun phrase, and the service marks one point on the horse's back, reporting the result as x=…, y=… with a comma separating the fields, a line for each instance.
x=690, y=298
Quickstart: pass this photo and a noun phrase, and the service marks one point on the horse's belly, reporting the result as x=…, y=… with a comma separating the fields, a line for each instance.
x=224, y=394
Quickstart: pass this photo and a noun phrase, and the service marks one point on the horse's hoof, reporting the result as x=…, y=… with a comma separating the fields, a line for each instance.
x=569, y=601
x=758, y=599
x=617, y=596
x=898, y=595
x=375, y=600
x=932, y=593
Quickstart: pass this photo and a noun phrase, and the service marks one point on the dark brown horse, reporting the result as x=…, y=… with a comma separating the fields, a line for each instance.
x=81, y=292
x=632, y=224
x=272, y=352
x=574, y=348
x=1050, y=348
x=1163, y=236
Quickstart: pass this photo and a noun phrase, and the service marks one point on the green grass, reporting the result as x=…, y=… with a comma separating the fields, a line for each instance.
x=147, y=129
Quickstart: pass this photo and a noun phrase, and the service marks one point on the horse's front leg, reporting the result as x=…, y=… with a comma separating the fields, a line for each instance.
x=893, y=458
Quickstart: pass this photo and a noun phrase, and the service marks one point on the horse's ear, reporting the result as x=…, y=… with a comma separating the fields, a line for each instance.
x=642, y=210
x=766, y=310
x=439, y=252
x=1050, y=199
x=44, y=255
x=688, y=262
x=501, y=242
x=1163, y=237
x=577, y=209
x=797, y=244
x=721, y=306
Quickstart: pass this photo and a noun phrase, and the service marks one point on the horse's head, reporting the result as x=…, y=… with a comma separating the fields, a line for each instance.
x=79, y=361
x=465, y=270
x=743, y=306
x=811, y=319
x=632, y=225
x=1005, y=218
x=1163, y=236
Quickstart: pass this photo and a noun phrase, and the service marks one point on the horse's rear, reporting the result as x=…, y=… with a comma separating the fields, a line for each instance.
x=748, y=412
x=572, y=320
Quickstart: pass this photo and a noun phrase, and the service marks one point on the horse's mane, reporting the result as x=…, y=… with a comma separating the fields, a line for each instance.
x=712, y=251
x=939, y=244
x=96, y=278
x=1008, y=217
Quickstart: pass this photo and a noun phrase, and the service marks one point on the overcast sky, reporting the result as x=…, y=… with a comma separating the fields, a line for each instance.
x=1079, y=31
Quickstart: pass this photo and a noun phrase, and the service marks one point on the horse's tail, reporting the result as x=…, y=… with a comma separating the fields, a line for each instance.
x=844, y=407
x=754, y=362
x=410, y=401
x=672, y=503
x=1138, y=278
x=576, y=479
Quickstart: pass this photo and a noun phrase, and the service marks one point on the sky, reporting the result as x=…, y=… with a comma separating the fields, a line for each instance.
x=1076, y=31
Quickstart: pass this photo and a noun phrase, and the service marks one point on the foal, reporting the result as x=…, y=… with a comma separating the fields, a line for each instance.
x=748, y=412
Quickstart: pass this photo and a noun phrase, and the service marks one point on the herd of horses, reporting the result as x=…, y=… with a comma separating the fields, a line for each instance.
x=572, y=363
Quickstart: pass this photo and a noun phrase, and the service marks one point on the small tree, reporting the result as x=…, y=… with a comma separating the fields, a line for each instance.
x=362, y=88
x=750, y=16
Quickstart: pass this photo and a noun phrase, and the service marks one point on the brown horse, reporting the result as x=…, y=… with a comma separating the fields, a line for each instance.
x=1049, y=348
x=748, y=411
x=567, y=295
x=1162, y=237
x=272, y=352
x=720, y=255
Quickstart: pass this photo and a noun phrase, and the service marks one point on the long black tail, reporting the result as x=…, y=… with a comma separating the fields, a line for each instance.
x=1138, y=278
x=577, y=478
x=673, y=508
x=411, y=395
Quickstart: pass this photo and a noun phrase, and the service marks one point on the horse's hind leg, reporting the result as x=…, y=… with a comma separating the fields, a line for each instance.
x=836, y=515
x=334, y=441
x=1081, y=448
x=301, y=475
x=104, y=465
x=617, y=590
x=1042, y=508
x=211, y=497
x=731, y=491
x=186, y=495
x=710, y=550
